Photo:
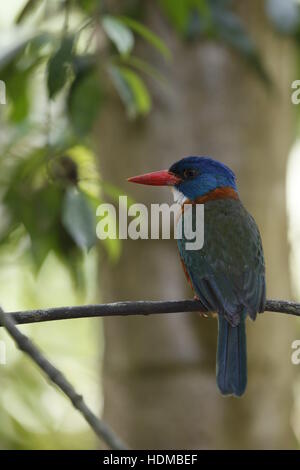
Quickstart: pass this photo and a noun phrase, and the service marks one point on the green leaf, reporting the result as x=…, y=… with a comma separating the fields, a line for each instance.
x=29, y=7
x=40, y=42
x=36, y=209
x=132, y=91
x=284, y=14
x=10, y=54
x=79, y=219
x=88, y=175
x=58, y=66
x=140, y=93
x=147, y=34
x=191, y=18
x=143, y=66
x=123, y=89
x=113, y=248
x=119, y=34
x=84, y=101
x=17, y=90
x=26, y=169
x=177, y=12
x=18, y=66
x=88, y=6
x=84, y=62
x=17, y=77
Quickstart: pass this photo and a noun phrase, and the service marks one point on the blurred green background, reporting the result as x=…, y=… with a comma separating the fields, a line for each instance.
x=97, y=91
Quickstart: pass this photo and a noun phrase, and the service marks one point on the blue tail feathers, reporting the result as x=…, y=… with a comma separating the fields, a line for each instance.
x=232, y=357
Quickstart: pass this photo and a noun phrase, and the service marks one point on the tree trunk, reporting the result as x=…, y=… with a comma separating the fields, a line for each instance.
x=159, y=372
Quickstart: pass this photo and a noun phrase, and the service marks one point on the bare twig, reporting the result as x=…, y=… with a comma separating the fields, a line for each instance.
x=102, y=310
x=56, y=377
x=133, y=308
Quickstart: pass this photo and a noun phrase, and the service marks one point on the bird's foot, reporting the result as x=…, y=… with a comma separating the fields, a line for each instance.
x=202, y=314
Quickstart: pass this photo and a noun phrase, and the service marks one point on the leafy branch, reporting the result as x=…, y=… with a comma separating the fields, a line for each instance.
x=86, y=53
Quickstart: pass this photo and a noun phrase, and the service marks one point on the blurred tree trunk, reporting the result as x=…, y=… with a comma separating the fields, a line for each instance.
x=159, y=372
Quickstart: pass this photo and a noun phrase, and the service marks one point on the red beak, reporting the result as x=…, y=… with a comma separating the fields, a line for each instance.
x=157, y=178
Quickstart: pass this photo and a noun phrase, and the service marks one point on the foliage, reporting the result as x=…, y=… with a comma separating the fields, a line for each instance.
x=80, y=50
x=46, y=193
x=59, y=79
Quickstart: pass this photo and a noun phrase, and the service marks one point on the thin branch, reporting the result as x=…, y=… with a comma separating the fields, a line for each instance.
x=133, y=308
x=56, y=377
x=102, y=310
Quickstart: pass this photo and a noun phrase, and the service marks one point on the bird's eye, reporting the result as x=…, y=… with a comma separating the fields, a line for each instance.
x=189, y=173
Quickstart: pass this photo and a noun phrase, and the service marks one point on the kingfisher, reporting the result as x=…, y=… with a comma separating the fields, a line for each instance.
x=228, y=273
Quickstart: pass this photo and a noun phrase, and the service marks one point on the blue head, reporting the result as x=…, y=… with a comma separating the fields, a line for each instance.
x=192, y=176
x=198, y=176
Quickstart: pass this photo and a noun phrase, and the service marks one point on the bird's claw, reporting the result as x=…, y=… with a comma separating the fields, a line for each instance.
x=202, y=314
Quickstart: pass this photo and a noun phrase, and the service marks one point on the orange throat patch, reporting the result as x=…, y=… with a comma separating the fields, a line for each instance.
x=220, y=193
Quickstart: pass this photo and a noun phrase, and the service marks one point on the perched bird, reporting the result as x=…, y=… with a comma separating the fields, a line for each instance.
x=228, y=273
